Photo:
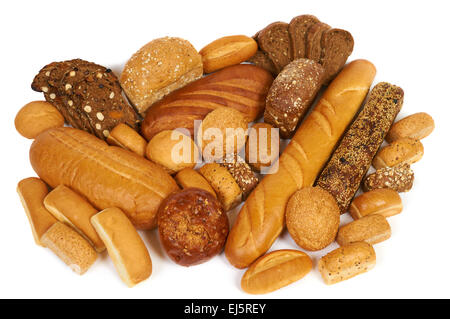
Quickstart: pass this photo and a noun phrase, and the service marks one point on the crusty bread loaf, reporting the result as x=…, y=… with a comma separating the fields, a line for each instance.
x=107, y=176
x=73, y=210
x=32, y=192
x=291, y=94
x=298, y=27
x=261, y=219
x=158, y=68
x=352, y=158
x=243, y=87
x=124, y=245
x=70, y=247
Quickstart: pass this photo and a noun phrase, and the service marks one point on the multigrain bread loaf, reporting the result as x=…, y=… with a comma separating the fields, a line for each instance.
x=124, y=245
x=88, y=95
x=32, y=192
x=73, y=210
x=70, y=247
x=260, y=59
x=158, y=68
x=398, y=178
x=291, y=95
x=261, y=219
x=313, y=41
x=107, y=176
x=276, y=270
x=351, y=160
x=242, y=87
x=298, y=28
x=274, y=40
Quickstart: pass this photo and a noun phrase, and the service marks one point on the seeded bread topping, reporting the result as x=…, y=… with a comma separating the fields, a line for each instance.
x=399, y=178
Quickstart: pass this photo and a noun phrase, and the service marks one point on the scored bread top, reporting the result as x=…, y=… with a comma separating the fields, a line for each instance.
x=157, y=65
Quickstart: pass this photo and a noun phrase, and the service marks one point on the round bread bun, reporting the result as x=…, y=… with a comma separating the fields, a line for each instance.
x=124, y=136
x=259, y=158
x=158, y=68
x=192, y=226
x=37, y=117
x=312, y=218
x=212, y=133
x=172, y=150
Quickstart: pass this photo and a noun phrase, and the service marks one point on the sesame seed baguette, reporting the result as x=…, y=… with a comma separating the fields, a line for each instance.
x=262, y=217
x=352, y=158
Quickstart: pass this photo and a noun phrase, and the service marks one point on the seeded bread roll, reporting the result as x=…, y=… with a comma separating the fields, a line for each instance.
x=125, y=247
x=291, y=95
x=351, y=160
x=70, y=247
x=88, y=95
x=398, y=178
x=298, y=27
x=73, y=210
x=32, y=192
x=275, y=41
x=158, y=68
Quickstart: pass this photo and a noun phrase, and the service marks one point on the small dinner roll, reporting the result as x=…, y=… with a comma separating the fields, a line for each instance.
x=36, y=117
x=416, y=126
x=258, y=156
x=372, y=229
x=189, y=177
x=124, y=136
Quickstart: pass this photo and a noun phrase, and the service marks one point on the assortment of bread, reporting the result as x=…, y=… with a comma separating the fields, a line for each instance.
x=195, y=134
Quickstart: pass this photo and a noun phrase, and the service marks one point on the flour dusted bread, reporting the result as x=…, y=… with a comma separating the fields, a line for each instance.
x=158, y=68
x=261, y=219
x=32, y=192
x=124, y=245
x=70, y=247
x=107, y=176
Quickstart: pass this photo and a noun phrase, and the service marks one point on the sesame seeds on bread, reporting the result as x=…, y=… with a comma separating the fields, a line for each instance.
x=158, y=68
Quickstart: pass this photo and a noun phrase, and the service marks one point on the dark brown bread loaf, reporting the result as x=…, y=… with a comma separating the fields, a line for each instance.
x=291, y=94
x=337, y=45
x=349, y=163
x=274, y=40
x=298, y=28
x=313, y=41
x=261, y=60
x=87, y=95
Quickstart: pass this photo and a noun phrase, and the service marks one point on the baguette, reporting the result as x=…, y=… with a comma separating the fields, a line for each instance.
x=351, y=160
x=124, y=245
x=107, y=176
x=32, y=192
x=242, y=87
x=261, y=219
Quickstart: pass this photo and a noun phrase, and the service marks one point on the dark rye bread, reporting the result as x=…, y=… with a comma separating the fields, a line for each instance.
x=337, y=45
x=87, y=95
x=291, y=94
x=274, y=40
x=298, y=27
x=351, y=160
x=313, y=41
x=261, y=60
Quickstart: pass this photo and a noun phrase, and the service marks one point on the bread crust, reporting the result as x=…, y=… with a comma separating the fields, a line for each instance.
x=261, y=219
x=107, y=176
x=372, y=229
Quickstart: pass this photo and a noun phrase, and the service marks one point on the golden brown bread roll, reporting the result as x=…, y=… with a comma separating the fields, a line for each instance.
x=172, y=150
x=401, y=151
x=276, y=270
x=32, y=192
x=372, y=229
x=158, y=68
x=73, y=210
x=107, y=176
x=261, y=219
x=70, y=247
x=381, y=201
x=124, y=245
x=36, y=117
x=262, y=147
x=416, y=126
x=124, y=136
x=189, y=177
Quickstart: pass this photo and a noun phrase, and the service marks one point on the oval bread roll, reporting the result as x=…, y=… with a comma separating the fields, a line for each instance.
x=189, y=177
x=258, y=156
x=381, y=201
x=124, y=136
x=227, y=51
x=346, y=262
x=402, y=151
x=124, y=245
x=276, y=270
x=36, y=117
x=416, y=126
x=372, y=229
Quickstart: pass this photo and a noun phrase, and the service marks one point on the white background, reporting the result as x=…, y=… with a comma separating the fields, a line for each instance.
x=406, y=40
